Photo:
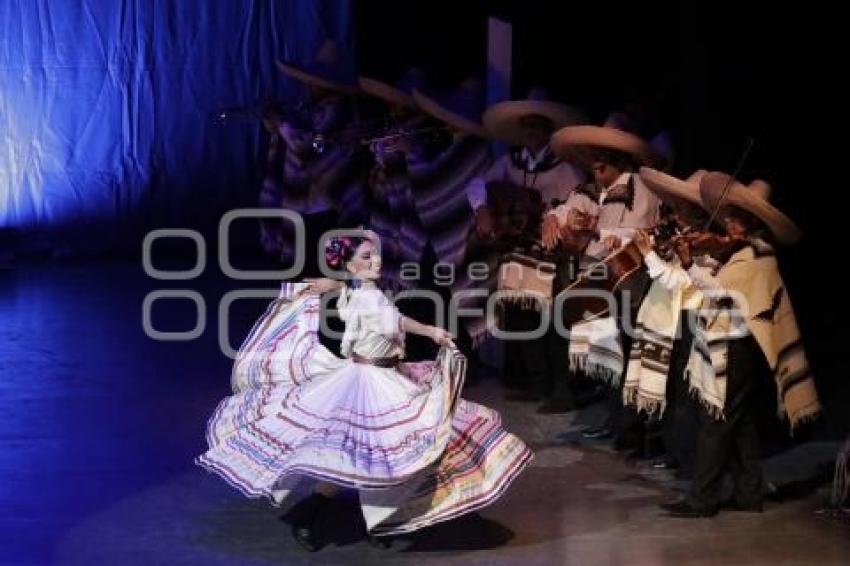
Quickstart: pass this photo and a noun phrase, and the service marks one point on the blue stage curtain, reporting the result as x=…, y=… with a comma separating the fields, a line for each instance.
x=108, y=108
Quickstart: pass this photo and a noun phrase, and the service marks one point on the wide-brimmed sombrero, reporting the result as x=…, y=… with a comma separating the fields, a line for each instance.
x=670, y=188
x=503, y=119
x=400, y=92
x=753, y=198
x=576, y=143
x=460, y=109
x=324, y=71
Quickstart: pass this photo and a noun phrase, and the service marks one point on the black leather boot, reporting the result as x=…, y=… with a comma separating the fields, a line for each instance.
x=306, y=524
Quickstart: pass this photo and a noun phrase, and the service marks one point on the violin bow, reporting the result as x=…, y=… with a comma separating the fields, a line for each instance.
x=747, y=148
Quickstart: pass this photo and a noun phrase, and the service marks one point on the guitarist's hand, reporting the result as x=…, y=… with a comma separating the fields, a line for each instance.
x=643, y=242
x=551, y=231
x=612, y=242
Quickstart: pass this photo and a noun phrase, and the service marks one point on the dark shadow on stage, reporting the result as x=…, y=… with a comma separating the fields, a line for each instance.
x=342, y=525
x=466, y=533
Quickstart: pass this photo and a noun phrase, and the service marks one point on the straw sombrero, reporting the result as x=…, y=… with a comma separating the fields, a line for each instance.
x=324, y=71
x=753, y=198
x=670, y=188
x=400, y=93
x=461, y=109
x=577, y=142
x=502, y=120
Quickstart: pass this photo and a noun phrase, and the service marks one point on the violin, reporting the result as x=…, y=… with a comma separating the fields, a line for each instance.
x=698, y=242
x=717, y=246
x=667, y=234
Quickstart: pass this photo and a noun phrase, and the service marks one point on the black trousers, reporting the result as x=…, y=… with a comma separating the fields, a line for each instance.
x=731, y=444
x=681, y=417
x=539, y=365
x=627, y=424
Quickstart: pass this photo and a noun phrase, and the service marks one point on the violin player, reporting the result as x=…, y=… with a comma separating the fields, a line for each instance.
x=325, y=185
x=654, y=381
x=747, y=313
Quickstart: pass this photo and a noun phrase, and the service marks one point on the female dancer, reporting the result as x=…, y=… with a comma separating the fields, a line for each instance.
x=397, y=432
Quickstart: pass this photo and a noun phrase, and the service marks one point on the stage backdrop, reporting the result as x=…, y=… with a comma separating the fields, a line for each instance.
x=108, y=108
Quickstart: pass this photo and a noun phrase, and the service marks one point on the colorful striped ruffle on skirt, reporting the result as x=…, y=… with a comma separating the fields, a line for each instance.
x=418, y=453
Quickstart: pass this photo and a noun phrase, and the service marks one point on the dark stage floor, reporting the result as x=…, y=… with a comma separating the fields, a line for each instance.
x=101, y=424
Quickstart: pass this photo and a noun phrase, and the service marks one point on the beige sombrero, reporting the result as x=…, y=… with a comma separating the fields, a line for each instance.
x=668, y=187
x=323, y=72
x=502, y=120
x=753, y=198
x=399, y=93
x=461, y=109
x=574, y=142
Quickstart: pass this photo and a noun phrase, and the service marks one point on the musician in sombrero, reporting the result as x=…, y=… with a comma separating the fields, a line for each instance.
x=654, y=379
x=309, y=171
x=617, y=197
x=392, y=211
x=439, y=184
x=533, y=174
x=747, y=326
x=526, y=125
x=599, y=218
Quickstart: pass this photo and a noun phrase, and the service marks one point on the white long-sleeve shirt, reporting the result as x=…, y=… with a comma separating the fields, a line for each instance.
x=621, y=211
x=554, y=179
x=671, y=276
